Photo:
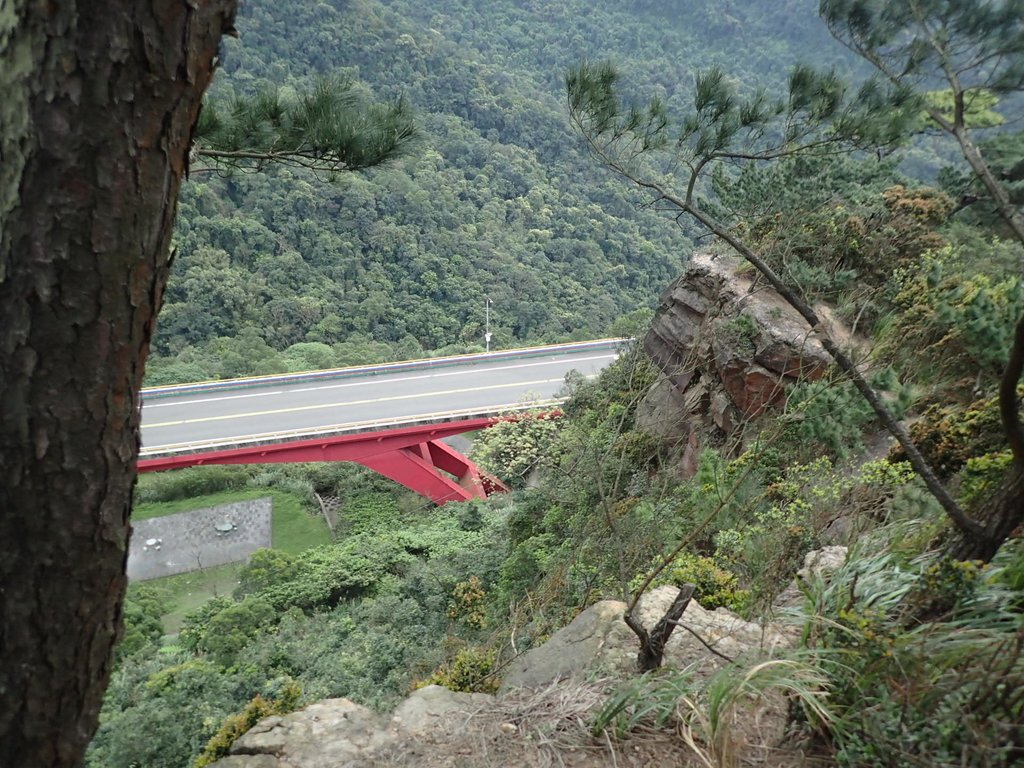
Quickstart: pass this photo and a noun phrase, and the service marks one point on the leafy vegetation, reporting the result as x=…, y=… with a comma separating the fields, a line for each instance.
x=906, y=657
x=282, y=271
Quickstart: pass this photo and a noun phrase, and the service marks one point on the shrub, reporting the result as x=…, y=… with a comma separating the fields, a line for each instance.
x=715, y=587
x=234, y=726
x=948, y=311
x=189, y=483
x=512, y=448
x=143, y=610
x=196, y=623
x=835, y=414
x=950, y=436
x=266, y=568
x=471, y=671
x=982, y=477
x=468, y=603
x=326, y=575
x=235, y=626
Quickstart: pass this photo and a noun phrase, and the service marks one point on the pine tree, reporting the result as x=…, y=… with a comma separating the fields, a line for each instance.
x=975, y=49
x=820, y=115
x=328, y=129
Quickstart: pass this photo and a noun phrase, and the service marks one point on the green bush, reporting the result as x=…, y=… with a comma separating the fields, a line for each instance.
x=326, y=575
x=232, y=628
x=513, y=447
x=196, y=623
x=949, y=436
x=160, y=710
x=471, y=671
x=982, y=477
x=369, y=513
x=143, y=609
x=834, y=414
x=234, y=726
x=189, y=483
x=948, y=310
x=265, y=568
x=715, y=587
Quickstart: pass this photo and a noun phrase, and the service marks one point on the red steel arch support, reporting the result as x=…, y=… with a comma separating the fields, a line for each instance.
x=412, y=456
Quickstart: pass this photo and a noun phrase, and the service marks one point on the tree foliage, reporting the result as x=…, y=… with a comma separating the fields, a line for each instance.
x=975, y=48
x=326, y=130
x=821, y=114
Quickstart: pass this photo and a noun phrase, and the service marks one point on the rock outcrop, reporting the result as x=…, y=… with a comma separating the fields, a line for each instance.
x=546, y=688
x=728, y=349
x=598, y=642
x=338, y=732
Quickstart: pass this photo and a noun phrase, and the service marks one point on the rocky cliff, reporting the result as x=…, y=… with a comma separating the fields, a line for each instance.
x=541, y=716
x=728, y=348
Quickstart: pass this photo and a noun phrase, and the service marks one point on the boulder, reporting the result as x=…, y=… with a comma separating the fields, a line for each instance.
x=599, y=644
x=426, y=708
x=327, y=734
x=728, y=349
x=338, y=732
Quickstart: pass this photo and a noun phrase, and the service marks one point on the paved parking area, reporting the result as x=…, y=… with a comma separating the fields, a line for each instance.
x=191, y=541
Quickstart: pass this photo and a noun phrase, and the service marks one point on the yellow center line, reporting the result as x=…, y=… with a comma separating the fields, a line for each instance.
x=296, y=409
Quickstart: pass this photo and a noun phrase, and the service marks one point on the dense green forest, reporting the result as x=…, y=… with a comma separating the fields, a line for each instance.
x=906, y=657
x=282, y=270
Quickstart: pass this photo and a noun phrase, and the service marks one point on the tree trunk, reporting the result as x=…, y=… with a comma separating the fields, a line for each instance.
x=1001, y=515
x=99, y=101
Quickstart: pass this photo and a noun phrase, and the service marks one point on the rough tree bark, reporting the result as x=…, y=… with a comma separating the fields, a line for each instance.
x=99, y=102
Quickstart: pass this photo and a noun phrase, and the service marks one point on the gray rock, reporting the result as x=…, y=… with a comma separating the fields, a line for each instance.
x=338, y=733
x=329, y=734
x=598, y=643
x=428, y=706
x=661, y=411
x=821, y=562
x=818, y=562
x=249, y=761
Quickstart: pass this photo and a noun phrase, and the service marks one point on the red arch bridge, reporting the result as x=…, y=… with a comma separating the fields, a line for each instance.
x=414, y=456
x=390, y=417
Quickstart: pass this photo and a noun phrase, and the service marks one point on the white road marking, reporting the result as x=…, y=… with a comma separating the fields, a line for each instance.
x=374, y=380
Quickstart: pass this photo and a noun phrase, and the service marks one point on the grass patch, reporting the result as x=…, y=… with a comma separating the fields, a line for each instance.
x=185, y=592
x=294, y=529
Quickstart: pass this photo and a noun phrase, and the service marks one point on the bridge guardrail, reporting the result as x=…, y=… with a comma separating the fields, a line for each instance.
x=371, y=370
x=374, y=425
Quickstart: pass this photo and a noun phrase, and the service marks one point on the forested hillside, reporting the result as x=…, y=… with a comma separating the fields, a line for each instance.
x=496, y=199
x=713, y=456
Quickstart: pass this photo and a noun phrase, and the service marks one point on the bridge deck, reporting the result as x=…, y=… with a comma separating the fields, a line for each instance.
x=274, y=412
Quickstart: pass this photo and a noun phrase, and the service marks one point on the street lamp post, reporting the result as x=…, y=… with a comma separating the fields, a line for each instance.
x=487, y=323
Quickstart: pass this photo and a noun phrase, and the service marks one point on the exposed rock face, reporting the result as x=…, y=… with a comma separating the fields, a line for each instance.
x=598, y=642
x=727, y=349
x=545, y=682
x=338, y=732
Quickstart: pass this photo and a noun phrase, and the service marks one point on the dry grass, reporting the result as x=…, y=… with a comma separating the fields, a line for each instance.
x=551, y=728
x=544, y=728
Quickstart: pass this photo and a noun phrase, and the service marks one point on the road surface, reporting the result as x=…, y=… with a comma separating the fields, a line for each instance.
x=414, y=395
